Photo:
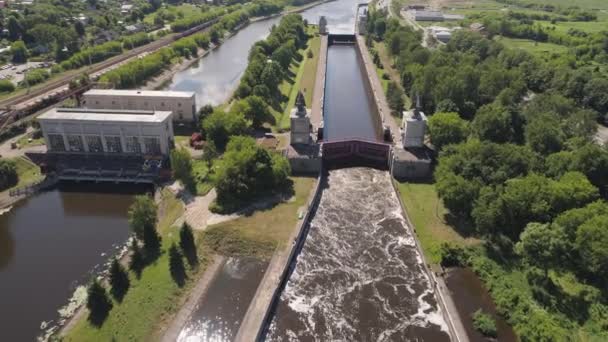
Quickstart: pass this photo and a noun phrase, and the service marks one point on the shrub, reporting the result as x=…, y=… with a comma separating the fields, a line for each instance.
x=484, y=323
x=8, y=174
x=6, y=86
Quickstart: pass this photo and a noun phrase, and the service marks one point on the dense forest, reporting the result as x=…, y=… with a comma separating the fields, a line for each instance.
x=518, y=167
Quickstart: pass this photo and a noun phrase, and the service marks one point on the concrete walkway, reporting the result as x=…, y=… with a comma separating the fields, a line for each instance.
x=319, y=90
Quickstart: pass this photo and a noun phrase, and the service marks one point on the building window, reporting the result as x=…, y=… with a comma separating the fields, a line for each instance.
x=96, y=102
x=56, y=143
x=146, y=104
x=179, y=104
x=75, y=143
x=113, y=144
x=113, y=102
x=152, y=145
x=132, y=145
x=94, y=143
x=162, y=104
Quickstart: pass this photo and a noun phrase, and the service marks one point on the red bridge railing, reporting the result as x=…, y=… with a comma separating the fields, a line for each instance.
x=352, y=149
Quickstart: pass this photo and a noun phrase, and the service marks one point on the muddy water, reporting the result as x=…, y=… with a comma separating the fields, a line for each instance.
x=220, y=312
x=49, y=244
x=359, y=276
x=469, y=295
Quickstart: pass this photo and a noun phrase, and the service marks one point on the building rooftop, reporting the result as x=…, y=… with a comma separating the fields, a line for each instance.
x=110, y=115
x=136, y=92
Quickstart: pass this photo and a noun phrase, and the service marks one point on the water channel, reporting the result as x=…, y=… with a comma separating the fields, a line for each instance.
x=219, y=314
x=50, y=244
x=359, y=276
x=217, y=75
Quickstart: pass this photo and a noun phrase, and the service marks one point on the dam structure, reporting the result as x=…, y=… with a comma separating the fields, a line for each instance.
x=355, y=271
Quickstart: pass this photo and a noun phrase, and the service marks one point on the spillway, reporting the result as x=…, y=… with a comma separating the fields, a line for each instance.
x=359, y=276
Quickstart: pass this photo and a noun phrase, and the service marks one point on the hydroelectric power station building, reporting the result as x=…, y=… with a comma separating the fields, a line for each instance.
x=107, y=131
x=181, y=103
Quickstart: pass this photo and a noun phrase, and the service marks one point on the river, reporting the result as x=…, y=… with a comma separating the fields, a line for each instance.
x=49, y=244
x=359, y=276
x=217, y=75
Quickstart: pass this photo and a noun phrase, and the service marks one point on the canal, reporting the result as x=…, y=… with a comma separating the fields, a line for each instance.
x=215, y=77
x=359, y=276
x=50, y=244
x=347, y=111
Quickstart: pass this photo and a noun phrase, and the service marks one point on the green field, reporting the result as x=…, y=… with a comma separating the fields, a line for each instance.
x=27, y=171
x=532, y=46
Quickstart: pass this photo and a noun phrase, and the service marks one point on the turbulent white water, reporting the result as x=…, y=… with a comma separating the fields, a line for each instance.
x=359, y=276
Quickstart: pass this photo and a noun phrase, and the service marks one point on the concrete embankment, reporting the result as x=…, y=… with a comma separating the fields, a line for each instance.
x=319, y=89
x=260, y=311
x=450, y=313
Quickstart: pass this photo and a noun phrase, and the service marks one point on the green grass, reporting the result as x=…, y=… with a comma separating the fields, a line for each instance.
x=427, y=213
x=586, y=26
x=538, y=48
x=202, y=176
x=261, y=232
x=183, y=10
x=307, y=83
x=152, y=299
x=27, y=171
x=289, y=88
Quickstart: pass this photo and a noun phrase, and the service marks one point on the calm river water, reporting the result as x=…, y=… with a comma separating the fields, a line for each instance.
x=217, y=75
x=359, y=276
x=49, y=244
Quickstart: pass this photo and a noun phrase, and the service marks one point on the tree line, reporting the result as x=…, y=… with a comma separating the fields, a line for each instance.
x=517, y=165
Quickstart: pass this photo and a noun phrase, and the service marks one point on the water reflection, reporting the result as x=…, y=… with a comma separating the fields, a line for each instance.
x=48, y=245
x=217, y=75
x=219, y=314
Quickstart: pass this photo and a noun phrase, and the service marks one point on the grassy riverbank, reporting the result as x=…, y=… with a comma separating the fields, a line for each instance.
x=260, y=233
x=27, y=171
x=428, y=215
x=302, y=78
x=152, y=299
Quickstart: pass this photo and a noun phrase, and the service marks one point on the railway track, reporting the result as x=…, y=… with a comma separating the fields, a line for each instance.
x=18, y=102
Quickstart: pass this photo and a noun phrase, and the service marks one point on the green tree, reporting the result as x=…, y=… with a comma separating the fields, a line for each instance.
x=98, y=303
x=119, y=280
x=447, y=128
x=181, y=163
x=186, y=243
x=176, y=266
x=8, y=174
x=137, y=263
x=152, y=242
x=493, y=123
x=248, y=170
x=19, y=52
x=543, y=245
x=142, y=213
x=394, y=97
x=6, y=86
x=14, y=28
x=591, y=242
x=544, y=135
x=79, y=27
x=220, y=126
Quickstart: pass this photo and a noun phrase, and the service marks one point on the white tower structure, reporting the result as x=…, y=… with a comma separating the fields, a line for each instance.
x=322, y=25
x=300, y=122
x=414, y=127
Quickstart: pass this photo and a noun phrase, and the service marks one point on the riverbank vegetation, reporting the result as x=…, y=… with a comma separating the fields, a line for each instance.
x=523, y=174
x=18, y=172
x=153, y=295
x=266, y=228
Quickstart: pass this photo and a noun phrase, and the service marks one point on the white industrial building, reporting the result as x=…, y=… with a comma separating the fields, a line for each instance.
x=107, y=131
x=181, y=103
